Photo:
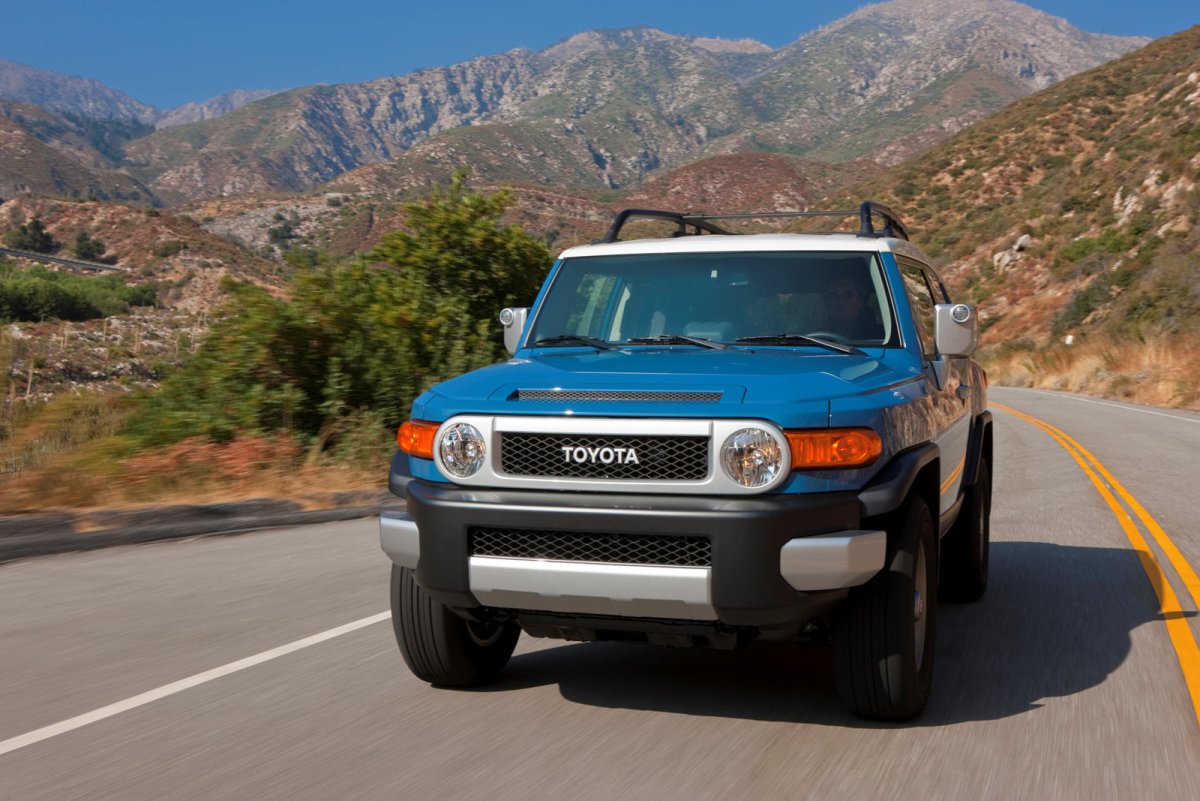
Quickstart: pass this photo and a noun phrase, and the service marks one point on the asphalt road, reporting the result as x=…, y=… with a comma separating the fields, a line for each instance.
x=1064, y=682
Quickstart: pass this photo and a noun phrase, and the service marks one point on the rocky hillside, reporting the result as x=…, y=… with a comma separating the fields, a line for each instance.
x=174, y=250
x=1074, y=216
x=209, y=109
x=351, y=214
x=85, y=97
x=608, y=109
x=48, y=154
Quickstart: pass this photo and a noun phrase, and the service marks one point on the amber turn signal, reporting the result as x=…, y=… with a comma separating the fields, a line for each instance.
x=833, y=448
x=415, y=438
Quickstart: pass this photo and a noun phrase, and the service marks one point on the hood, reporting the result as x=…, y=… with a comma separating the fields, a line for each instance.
x=792, y=386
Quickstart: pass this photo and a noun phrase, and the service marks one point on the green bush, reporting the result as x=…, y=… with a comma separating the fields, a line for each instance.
x=40, y=294
x=87, y=248
x=31, y=236
x=357, y=338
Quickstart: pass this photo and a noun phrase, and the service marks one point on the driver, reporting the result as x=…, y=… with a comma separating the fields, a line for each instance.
x=847, y=311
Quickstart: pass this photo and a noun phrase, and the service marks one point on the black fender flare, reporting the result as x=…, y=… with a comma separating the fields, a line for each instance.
x=890, y=487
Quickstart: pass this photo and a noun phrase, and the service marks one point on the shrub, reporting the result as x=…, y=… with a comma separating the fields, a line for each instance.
x=40, y=294
x=87, y=248
x=32, y=236
x=357, y=337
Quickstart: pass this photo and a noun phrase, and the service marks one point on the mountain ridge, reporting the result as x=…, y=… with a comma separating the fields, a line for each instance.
x=606, y=109
x=88, y=97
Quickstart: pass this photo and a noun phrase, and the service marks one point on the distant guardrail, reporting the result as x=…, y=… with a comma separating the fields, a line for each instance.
x=76, y=263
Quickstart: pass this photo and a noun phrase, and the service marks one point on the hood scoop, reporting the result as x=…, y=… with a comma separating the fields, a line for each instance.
x=616, y=396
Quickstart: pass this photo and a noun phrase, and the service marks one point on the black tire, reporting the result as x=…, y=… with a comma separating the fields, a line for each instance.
x=884, y=633
x=965, y=547
x=439, y=646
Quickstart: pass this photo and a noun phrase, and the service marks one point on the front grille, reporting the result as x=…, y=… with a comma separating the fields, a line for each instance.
x=578, y=546
x=617, y=396
x=604, y=457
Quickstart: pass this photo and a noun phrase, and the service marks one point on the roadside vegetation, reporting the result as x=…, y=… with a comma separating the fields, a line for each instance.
x=38, y=294
x=294, y=394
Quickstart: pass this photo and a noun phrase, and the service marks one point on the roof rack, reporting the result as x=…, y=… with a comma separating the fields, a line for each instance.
x=700, y=223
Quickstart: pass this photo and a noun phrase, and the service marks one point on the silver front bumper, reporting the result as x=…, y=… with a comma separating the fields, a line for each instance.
x=587, y=588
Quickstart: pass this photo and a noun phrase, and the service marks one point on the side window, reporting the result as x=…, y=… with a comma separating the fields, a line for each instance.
x=940, y=294
x=920, y=298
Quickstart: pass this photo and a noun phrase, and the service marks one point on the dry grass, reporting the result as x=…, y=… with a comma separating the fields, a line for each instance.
x=1159, y=372
x=68, y=453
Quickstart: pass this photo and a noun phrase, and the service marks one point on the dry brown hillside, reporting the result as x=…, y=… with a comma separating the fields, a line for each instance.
x=1074, y=216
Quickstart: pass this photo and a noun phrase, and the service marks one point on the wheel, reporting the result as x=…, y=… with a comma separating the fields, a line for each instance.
x=439, y=646
x=884, y=633
x=965, y=547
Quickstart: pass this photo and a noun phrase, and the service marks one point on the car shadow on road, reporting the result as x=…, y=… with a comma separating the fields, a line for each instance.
x=1056, y=620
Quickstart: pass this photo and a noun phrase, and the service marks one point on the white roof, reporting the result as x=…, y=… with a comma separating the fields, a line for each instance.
x=750, y=243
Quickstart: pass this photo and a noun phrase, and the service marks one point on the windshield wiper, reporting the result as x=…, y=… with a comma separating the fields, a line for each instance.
x=574, y=339
x=803, y=339
x=678, y=339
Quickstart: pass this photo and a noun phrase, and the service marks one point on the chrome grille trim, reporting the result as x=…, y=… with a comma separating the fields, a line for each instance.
x=714, y=430
x=604, y=548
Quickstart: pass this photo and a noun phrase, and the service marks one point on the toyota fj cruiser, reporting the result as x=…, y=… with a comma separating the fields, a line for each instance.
x=706, y=439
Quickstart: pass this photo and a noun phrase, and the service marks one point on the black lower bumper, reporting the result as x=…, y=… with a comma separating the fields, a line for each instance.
x=746, y=536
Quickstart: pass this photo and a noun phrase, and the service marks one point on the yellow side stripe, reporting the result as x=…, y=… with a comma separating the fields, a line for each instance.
x=949, y=482
x=1180, y=633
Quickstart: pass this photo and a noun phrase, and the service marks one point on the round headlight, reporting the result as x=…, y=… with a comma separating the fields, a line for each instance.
x=462, y=450
x=751, y=457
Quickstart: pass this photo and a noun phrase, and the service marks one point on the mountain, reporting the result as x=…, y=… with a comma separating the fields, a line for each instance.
x=1073, y=216
x=922, y=69
x=210, y=109
x=90, y=99
x=48, y=154
x=83, y=97
x=606, y=109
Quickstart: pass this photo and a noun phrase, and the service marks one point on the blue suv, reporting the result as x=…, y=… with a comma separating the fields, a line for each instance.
x=703, y=440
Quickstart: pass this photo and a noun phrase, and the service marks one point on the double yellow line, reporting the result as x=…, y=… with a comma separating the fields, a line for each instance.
x=1186, y=648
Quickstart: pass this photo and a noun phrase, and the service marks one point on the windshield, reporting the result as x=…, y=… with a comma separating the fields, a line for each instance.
x=758, y=299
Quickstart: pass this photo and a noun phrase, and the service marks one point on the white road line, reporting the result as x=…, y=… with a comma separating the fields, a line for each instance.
x=1124, y=406
x=55, y=729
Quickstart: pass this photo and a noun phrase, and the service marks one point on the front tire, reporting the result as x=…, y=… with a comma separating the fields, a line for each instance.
x=439, y=646
x=884, y=634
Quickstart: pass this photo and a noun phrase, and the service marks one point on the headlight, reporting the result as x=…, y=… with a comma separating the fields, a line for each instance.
x=462, y=449
x=751, y=457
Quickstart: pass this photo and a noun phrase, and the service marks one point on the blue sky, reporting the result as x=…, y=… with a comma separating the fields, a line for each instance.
x=167, y=52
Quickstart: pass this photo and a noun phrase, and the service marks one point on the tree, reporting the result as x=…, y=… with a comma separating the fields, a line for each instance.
x=87, y=248
x=448, y=276
x=32, y=236
x=357, y=340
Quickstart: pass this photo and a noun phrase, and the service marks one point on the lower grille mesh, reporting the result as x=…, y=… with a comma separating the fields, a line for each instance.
x=578, y=546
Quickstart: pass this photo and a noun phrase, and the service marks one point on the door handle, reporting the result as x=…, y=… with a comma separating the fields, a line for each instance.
x=963, y=392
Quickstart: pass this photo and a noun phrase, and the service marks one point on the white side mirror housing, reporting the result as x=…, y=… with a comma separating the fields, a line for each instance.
x=513, y=321
x=955, y=329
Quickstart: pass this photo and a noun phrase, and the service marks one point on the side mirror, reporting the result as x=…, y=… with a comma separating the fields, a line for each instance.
x=955, y=329
x=513, y=321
